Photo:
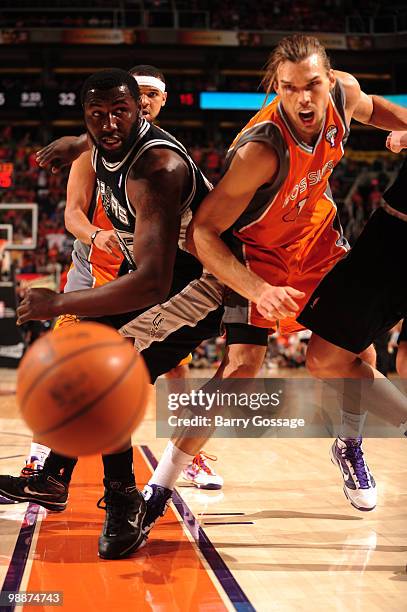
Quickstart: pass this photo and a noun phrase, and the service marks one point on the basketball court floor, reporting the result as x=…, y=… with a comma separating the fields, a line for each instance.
x=279, y=536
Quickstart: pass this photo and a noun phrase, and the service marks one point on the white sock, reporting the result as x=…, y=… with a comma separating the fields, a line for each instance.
x=170, y=466
x=352, y=424
x=40, y=451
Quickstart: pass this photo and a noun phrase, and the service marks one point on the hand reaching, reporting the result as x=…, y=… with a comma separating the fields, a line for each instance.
x=278, y=302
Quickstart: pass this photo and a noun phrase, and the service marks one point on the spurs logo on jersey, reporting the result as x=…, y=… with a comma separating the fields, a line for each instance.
x=111, y=204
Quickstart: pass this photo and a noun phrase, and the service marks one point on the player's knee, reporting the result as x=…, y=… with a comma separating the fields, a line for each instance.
x=320, y=363
x=315, y=364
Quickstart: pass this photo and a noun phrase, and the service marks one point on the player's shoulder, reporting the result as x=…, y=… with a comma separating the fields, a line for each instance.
x=158, y=159
x=350, y=85
x=256, y=151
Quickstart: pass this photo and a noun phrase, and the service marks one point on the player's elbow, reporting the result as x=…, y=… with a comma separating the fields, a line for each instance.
x=160, y=292
x=156, y=287
x=68, y=222
x=197, y=238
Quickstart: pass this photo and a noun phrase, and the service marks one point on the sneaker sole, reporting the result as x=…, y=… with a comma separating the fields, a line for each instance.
x=207, y=487
x=54, y=506
x=352, y=503
x=361, y=508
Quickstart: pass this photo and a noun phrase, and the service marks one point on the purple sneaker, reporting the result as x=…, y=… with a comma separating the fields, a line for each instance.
x=157, y=500
x=359, y=485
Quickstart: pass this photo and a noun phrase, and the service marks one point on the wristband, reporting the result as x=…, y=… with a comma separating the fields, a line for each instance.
x=93, y=236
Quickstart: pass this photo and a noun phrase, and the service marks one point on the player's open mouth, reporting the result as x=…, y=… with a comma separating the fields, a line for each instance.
x=307, y=117
x=111, y=142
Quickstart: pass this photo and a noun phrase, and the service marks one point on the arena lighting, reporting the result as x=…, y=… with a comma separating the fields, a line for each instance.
x=219, y=100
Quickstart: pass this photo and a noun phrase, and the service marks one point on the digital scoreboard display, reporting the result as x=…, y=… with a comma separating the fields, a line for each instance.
x=69, y=100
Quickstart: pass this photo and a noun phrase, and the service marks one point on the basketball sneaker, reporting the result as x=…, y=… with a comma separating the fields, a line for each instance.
x=200, y=474
x=125, y=509
x=157, y=501
x=359, y=485
x=41, y=488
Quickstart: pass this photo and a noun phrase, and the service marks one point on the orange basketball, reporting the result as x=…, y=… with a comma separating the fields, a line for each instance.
x=83, y=389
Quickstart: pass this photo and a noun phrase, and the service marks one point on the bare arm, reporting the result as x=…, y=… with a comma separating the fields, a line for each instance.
x=79, y=193
x=62, y=152
x=253, y=165
x=371, y=110
x=155, y=189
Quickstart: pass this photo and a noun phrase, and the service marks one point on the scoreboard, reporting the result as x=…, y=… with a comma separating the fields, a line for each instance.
x=57, y=101
x=52, y=99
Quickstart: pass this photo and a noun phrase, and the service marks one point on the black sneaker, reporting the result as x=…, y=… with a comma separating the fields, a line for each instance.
x=41, y=488
x=157, y=501
x=122, y=530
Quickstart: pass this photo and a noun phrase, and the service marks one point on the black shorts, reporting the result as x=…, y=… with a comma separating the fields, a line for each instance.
x=403, y=332
x=243, y=333
x=365, y=294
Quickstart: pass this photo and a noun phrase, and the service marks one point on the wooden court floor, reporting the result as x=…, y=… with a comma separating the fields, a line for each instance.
x=279, y=536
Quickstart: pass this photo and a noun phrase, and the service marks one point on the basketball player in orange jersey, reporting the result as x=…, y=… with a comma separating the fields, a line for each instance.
x=96, y=255
x=275, y=203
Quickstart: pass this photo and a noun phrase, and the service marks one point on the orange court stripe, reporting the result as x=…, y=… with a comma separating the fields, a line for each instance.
x=166, y=574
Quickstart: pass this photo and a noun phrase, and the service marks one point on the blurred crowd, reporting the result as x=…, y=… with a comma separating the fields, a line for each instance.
x=282, y=15
x=357, y=187
x=31, y=184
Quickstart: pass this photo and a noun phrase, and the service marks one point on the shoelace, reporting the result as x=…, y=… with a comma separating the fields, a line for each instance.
x=199, y=460
x=115, y=507
x=354, y=454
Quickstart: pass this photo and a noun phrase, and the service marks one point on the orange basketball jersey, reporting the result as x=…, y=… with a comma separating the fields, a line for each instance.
x=98, y=258
x=290, y=233
x=92, y=267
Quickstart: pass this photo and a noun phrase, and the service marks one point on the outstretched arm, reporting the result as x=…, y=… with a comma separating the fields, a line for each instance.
x=254, y=165
x=62, y=152
x=155, y=189
x=370, y=109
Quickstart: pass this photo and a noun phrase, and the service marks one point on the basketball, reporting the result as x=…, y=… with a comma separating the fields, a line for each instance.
x=83, y=389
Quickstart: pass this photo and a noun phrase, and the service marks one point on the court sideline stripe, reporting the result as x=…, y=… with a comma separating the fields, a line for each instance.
x=229, y=583
x=19, y=558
